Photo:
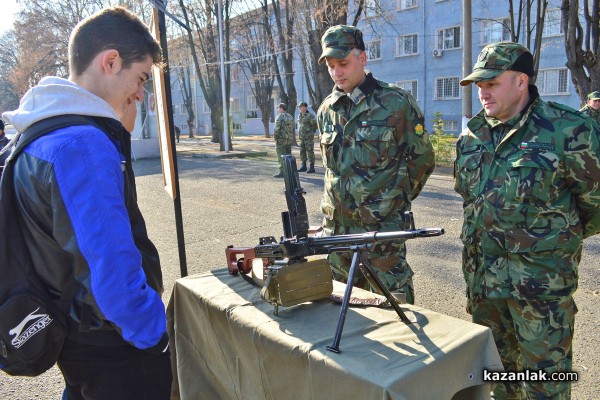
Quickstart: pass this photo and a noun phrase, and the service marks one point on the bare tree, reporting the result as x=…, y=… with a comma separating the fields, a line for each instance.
x=528, y=31
x=179, y=61
x=253, y=49
x=581, y=45
x=315, y=19
x=9, y=99
x=279, y=24
x=203, y=40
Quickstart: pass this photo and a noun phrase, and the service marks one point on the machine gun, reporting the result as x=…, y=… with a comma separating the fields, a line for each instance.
x=296, y=245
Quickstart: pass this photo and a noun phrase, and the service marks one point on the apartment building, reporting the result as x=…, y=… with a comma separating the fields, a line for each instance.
x=418, y=45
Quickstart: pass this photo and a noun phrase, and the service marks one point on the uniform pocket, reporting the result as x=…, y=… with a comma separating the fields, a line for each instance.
x=468, y=175
x=327, y=148
x=534, y=177
x=372, y=146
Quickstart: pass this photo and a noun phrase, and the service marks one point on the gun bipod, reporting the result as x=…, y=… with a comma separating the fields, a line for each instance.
x=358, y=260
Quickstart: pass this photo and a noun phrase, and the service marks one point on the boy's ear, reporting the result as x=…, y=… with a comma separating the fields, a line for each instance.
x=111, y=62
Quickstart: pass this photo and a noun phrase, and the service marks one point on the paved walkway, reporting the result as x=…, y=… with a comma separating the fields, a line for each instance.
x=251, y=146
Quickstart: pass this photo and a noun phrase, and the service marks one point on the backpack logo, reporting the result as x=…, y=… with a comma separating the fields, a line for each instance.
x=41, y=321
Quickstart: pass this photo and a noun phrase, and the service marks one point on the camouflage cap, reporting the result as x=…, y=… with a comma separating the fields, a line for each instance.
x=303, y=103
x=496, y=58
x=282, y=105
x=594, y=95
x=338, y=41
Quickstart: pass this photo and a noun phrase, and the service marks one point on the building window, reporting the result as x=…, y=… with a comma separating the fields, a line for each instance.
x=495, y=31
x=552, y=23
x=553, y=81
x=448, y=38
x=447, y=88
x=373, y=50
x=234, y=104
x=235, y=73
x=406, y=45
x=406, y=4
x=411, y=87
x=205, y=108
x=251, y=103
x=182, y=109
x=450, y=125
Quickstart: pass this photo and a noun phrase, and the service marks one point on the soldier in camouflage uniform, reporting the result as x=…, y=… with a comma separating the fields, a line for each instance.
x=377, y=157
x=283, y=135
x=528, y=172
x=592, y=108
x=307, y=125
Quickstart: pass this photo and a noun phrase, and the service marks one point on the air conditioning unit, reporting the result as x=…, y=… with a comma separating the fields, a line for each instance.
x=437, y=53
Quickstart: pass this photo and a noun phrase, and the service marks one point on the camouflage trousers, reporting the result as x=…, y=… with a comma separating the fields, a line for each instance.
x=307, y=149
x=530, y=335
x=282, y=149
x=388, y=260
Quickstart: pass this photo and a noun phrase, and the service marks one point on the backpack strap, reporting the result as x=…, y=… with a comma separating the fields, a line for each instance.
x=16, y=147
x=45, y=126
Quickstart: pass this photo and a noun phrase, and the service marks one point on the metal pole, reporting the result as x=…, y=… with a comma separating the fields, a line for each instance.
x=222, y=57
x=162, y=26
x=467, y=64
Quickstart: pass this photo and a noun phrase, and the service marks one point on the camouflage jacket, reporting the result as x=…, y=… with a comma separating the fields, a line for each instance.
x=528, y=201
x=587, y=110
x=307, y=125
x=377, y=156
x=284, y=129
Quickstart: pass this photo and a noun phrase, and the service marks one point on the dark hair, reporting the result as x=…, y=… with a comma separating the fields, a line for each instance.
x=111, y=28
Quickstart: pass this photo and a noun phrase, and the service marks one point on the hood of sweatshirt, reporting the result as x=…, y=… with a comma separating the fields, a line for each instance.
x=56, y=96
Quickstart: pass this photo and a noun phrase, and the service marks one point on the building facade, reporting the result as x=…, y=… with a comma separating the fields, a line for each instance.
x=418, y=45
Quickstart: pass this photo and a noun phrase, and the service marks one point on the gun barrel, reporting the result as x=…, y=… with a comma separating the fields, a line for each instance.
x=322, y=245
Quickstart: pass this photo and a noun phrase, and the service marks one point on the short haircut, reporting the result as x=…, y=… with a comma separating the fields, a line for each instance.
x=111, y=28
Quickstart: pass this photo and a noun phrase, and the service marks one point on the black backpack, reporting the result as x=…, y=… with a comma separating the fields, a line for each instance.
x=33, y=322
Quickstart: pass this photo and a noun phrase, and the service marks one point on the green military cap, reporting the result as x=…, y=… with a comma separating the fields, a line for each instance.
x=302, y=104
x=282, y=105
x=496, y=58
x=594, y=95
x=338, y=41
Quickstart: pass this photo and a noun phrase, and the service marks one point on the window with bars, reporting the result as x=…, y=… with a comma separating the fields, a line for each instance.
x=450, y=125
x=553, y=81
x=407, y=45
x=448, y=38
x=447, y=88
x=495, y=31
x=406, y=4
x=411, y=87
x=373, y=50
x=552, y=23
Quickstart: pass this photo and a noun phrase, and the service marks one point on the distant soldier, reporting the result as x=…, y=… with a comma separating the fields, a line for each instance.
x=307, y=125
x=377, y=157
x=283, y=135
x=528, y=172
x=592, y=108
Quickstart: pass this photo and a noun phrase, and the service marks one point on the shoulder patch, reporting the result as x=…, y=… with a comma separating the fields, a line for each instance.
x=419, y=130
